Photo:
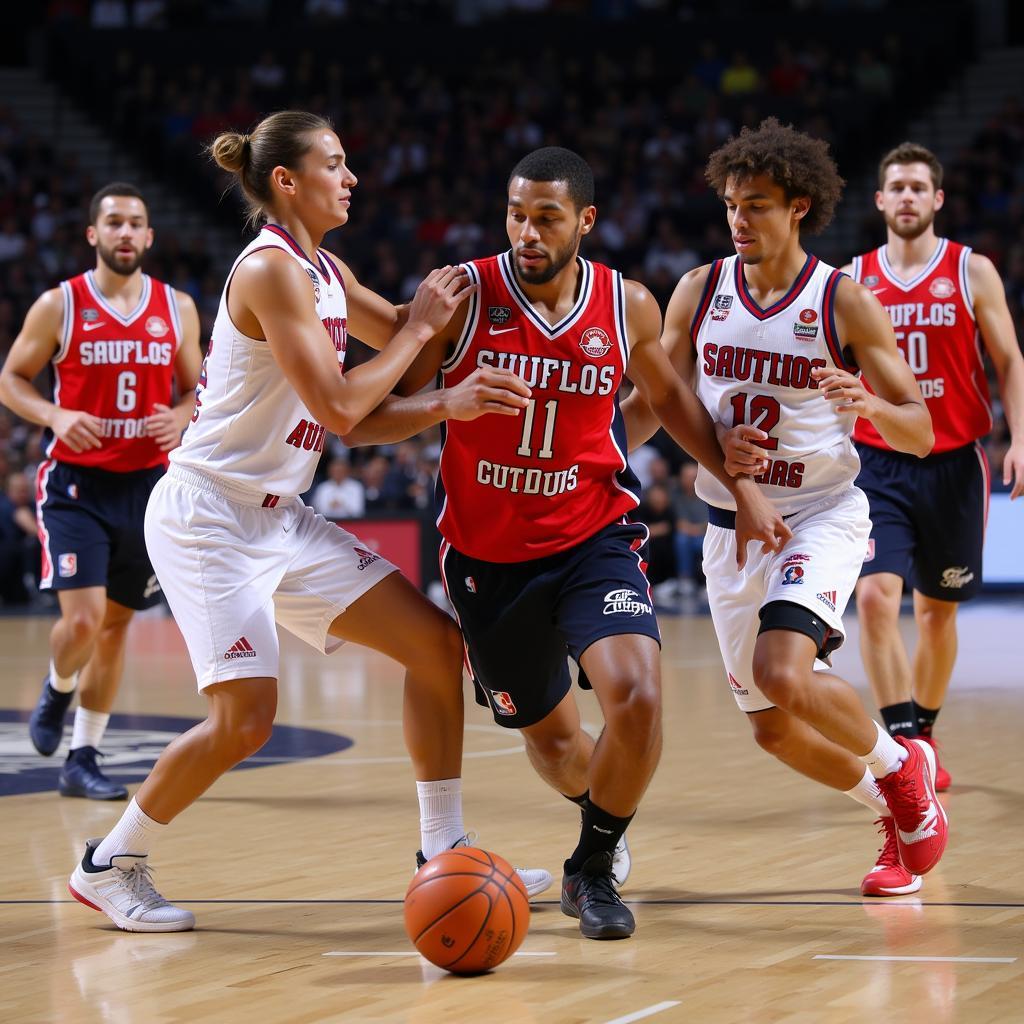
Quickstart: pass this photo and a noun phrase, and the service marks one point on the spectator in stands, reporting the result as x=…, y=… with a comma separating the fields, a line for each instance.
x=691, y=522
x=340, y=496
x=655, y=511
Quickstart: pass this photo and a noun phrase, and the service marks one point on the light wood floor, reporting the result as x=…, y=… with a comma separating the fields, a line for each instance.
x=745, y=876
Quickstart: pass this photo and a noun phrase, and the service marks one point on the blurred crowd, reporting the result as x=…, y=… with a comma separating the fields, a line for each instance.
x=433, y=151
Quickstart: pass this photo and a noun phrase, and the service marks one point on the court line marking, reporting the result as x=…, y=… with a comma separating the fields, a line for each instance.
x=647, y=1011
x=924, y=959
x=555, y=903
x=406, y=953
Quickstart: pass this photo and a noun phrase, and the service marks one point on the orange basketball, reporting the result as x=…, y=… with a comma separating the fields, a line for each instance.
x=466, y=910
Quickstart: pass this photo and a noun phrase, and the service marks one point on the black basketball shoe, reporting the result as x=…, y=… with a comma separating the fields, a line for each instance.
x=81, y=776
x=590, y=896
x=46, y=723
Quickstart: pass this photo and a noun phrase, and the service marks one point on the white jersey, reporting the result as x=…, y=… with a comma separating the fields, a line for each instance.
x=754, y=366
x=250, y=427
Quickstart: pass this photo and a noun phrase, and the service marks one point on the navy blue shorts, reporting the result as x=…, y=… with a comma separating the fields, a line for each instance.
x=927, y=518
x=521, y=621
x=91, y=526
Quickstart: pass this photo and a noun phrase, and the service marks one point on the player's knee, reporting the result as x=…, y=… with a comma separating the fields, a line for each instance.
x=634, y=707
x=83, y=624
x=252, y=733
x=936, y=618
x=781, y=682
x=876, y=606
x=240, y=731
x=554, y=749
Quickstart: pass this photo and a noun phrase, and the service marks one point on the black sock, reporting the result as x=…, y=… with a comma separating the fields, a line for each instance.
x=925, y=719
x=580, y=801
x=599, y=832
x=900, y=719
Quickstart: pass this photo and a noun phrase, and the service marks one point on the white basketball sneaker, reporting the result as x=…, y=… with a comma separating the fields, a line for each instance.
x=124, y=892
x=536, y=880
x=622, y=862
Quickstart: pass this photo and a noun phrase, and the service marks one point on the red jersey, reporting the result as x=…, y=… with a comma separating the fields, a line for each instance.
x=933, y=317
x=115, y=367
x=513, y=488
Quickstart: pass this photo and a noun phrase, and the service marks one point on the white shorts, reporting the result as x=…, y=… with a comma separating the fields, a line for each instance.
x=818, y=569
x=231, y=568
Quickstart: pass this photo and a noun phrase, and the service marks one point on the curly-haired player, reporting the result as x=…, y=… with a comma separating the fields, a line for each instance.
x=777, y=341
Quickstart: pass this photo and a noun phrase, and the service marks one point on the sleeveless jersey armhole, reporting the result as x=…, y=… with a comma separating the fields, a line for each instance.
x=469, y=327
x=710, y=287
x=67, y=322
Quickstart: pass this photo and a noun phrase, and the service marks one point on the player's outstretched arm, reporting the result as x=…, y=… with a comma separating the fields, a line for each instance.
x=1000, y=338
x=685, y=418
x=166, y=424
x=275, y=290
x=896, y=408
x=486, y=390
x=35, y=345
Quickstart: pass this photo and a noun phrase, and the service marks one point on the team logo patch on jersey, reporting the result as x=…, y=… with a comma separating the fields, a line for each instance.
x=316, y=283
x=942, y=288
x=828, y=599
x=721, y=308
x=241, y=648
x=67, y=565
x=736, y=688
x=595, y=342
x=625, y=602
x=807, y=328
x=470, y=584
x=365, y=557
x=503, y=703
x=157, y=326
x=870, y=281
x=955, y=577
x=499, y=314
x=89, y=315
x=796, y=556
x=792, y=574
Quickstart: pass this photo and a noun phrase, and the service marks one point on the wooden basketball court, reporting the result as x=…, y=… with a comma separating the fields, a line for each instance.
x=744, y=885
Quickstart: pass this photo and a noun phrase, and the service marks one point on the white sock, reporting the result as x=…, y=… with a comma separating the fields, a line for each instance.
x=89, y=728
x=134, y=833
x=440, y=815
x=866, y=792
x=885, y=756
x=62, y=684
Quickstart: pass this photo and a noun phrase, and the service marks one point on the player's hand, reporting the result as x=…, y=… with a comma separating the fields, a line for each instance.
x=164, y=426
x=80, y=431
x=486, y=390
x=743, y=454
x=440, y=293
x=846, y=391
x=757, y=520
x=1013, y=469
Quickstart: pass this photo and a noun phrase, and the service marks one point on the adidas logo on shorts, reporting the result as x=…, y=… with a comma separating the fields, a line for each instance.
x=365, y=557
x=241, y=648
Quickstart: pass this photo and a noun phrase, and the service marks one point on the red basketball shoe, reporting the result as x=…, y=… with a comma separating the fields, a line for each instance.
x=921, y=827
x=889, y=877
x=943, y=780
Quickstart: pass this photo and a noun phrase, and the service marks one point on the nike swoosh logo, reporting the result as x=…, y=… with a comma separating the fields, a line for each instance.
x=92, y=327
x=925, y=830
x=504, y=330
x=877, y=291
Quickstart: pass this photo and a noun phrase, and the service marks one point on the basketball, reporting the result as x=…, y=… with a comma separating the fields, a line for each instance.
x=466, y=910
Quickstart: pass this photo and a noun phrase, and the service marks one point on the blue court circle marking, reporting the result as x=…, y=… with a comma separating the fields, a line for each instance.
x=133, y=743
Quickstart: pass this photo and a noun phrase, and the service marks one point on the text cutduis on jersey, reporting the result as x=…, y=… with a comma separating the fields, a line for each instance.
x=542, y=374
